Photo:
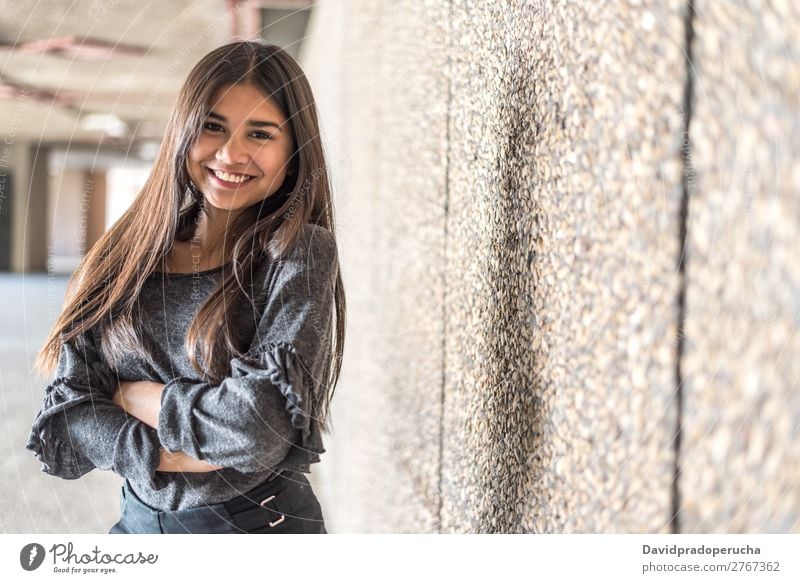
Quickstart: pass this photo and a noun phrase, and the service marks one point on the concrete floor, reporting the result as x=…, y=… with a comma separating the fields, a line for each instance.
x=30, y=500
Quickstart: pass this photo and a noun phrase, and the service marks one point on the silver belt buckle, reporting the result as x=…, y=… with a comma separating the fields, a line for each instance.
x=275, y=522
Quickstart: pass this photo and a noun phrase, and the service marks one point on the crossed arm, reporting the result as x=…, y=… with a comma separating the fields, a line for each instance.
x=142, y=399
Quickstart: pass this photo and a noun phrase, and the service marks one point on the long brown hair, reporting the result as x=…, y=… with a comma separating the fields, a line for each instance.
x=104, y=288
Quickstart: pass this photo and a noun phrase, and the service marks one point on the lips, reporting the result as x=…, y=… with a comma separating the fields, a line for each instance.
x=216, y=180
x=226, y=172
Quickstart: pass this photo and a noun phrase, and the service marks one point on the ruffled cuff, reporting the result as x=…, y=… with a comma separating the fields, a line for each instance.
x=58, y=457
x=286, y=371
x=281, y=363
x=196, y=417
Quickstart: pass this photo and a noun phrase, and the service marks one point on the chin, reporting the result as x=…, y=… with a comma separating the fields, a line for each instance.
x=221, y=206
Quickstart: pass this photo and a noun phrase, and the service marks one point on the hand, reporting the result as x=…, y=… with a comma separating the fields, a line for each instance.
x=178, y=461
x=141, y=399
x=118, y=398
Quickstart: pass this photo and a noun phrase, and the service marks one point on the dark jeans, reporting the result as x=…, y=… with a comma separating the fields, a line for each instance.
x=285, y=505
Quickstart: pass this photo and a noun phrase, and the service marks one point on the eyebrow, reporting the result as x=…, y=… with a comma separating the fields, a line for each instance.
x=251, y=122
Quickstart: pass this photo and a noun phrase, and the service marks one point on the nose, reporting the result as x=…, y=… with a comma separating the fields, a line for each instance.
x=232, y=153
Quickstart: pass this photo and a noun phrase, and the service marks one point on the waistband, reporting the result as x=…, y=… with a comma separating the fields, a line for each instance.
x=269, y=503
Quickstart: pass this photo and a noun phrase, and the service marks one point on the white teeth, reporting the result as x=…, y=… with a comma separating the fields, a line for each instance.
x=235, y=178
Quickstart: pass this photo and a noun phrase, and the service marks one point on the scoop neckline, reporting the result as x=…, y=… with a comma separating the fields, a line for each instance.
x=191, y=273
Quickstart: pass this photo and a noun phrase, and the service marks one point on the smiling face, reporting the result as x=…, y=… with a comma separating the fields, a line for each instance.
x=242, y=153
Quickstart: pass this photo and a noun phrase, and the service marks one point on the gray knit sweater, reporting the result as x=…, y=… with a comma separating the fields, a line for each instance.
x=258, y=421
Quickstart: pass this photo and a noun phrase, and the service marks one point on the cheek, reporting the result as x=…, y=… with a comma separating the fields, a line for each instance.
x=286, y=160
x=202, y=150
x=194, y=156
x=274, y=165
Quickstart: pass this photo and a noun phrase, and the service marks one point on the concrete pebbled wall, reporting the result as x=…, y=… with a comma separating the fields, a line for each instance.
x=564, y=194
x=740, y=451
x=514, y=183
x=388, y=111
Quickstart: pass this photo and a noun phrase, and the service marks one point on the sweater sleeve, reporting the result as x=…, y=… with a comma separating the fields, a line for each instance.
x=264, y=413
x=79, y=428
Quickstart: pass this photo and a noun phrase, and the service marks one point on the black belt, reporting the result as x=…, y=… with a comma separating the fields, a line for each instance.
x=261, y=508
x=266, y=504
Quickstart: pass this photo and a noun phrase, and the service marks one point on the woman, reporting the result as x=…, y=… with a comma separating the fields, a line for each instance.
x=196, y=353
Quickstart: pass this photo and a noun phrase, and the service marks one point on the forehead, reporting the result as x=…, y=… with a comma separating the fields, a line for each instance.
x=245, y=100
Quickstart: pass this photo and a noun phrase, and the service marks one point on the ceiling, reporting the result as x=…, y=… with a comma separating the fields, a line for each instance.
x=65, y=66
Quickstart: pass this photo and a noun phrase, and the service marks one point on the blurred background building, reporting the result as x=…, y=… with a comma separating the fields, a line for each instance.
x=569, y=238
